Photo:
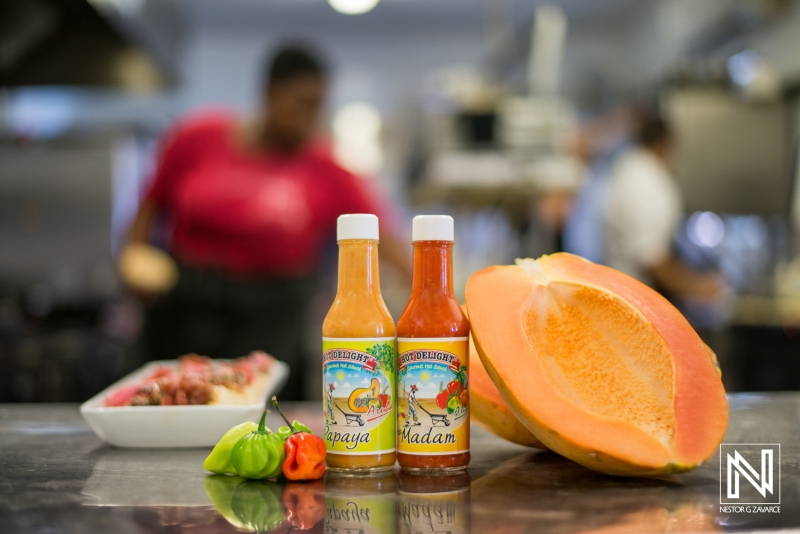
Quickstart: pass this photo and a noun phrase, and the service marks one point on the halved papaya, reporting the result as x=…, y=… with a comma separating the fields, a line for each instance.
x=598, y=366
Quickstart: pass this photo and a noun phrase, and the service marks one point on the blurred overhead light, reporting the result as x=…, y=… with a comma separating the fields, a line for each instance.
x=744, y=67
x=706, y=229
x=753, y=77
x=353, y=7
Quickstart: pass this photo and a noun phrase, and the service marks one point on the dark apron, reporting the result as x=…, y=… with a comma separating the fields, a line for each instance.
x=211, y=314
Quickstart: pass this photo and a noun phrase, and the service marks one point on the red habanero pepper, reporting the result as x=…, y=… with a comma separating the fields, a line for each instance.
x=305, y=457
x=305, y=453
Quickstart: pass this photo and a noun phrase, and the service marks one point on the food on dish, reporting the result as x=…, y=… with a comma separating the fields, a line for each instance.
x=199, y=380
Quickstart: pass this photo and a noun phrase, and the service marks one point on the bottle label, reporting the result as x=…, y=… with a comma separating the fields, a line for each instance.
x=359, y=395
x=433, y=395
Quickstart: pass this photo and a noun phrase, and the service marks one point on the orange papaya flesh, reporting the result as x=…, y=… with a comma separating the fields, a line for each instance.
x=598, y=366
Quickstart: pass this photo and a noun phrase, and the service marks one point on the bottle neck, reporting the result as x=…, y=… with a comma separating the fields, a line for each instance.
x=358, y=267
x=433, y=267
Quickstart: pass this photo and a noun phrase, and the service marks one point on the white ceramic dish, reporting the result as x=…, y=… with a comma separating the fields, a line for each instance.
x=171, y=426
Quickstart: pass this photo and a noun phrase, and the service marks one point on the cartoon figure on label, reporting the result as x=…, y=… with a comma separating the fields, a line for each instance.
x=349, y=418
x=330, y=419
x=412, y=411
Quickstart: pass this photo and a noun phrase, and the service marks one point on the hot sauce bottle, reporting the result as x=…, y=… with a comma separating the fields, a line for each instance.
x=359, y=358
x=432, y=344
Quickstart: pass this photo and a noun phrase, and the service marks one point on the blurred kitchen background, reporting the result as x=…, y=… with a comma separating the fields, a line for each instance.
x=482, y=109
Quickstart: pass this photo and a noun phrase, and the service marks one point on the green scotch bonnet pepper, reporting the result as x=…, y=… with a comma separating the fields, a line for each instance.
x=219, y=461
x=284, y=431
x=259, y=454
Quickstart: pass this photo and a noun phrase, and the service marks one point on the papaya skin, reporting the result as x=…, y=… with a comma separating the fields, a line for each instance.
x=491, y=412
x=498, y=299
x=488, y=409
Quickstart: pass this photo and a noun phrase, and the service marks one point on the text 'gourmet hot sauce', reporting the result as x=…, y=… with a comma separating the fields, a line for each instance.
x=359, y=358
x=433, y=352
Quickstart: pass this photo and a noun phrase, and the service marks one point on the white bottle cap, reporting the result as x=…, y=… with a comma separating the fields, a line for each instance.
x=432, y=228
x=357, y=226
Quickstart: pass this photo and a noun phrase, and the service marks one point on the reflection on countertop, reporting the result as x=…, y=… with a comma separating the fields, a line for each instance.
x=57, y=474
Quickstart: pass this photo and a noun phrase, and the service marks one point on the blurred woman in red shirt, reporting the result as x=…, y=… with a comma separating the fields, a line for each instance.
x=250, y=206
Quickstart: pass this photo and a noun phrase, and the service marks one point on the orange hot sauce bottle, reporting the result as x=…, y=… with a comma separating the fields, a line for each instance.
x=358, y=361
x=433, y=359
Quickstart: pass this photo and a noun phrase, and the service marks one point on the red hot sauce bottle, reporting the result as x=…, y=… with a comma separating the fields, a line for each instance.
x=433, y=359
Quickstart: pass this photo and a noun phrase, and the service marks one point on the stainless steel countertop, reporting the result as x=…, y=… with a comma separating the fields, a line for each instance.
x=57, y=476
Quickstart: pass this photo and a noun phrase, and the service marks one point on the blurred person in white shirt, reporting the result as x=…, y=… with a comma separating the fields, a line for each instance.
x=597, y=144
x=643, y=208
